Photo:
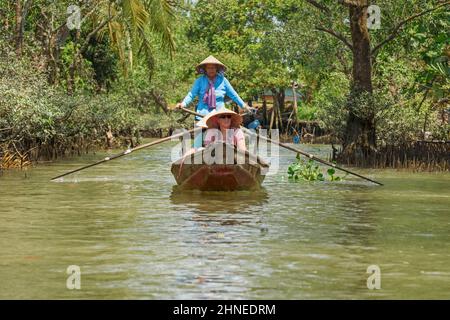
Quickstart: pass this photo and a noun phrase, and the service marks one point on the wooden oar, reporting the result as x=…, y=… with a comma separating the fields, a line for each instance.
x=296, y=150
x=124, y=153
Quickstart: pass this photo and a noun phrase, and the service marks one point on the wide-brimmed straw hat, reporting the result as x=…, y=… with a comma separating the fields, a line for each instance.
x=210, y=60
x=211, y=120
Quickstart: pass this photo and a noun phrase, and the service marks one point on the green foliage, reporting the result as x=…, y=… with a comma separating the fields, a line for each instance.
x=38, y=114
x=430, y=39
x=307, y=112
x=250, y=38
x=330, y=100
x=331, y=173
x=84, y=78
x=266, y=45
x=303, y=170
x=103, y=61
x=175, y=77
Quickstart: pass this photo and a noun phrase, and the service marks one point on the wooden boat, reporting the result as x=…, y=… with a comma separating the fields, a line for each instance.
x=220, y=167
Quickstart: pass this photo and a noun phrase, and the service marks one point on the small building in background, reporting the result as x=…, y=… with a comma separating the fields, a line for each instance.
x=288, y=95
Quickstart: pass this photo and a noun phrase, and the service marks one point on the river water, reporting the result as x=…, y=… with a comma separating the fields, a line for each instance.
x=134, y=236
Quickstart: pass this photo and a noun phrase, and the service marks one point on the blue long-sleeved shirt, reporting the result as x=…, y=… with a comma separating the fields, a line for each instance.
x=222, y=88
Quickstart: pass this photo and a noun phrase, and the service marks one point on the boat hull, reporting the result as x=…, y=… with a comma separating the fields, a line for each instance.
x=210, y=170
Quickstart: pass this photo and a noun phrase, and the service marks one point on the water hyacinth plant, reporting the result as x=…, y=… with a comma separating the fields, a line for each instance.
x=302, y=170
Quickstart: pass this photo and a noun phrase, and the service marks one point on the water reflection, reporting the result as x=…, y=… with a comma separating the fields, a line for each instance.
x=136, y=236
x=213, y=202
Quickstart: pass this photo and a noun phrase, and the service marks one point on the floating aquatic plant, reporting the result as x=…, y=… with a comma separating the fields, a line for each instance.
x=302, y=170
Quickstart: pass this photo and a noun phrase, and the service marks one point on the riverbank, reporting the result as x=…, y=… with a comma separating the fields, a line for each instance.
x=40, y=121
x=12, y=157
x=416, y=156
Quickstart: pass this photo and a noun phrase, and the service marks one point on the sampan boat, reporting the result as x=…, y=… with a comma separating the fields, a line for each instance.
x=220, y=167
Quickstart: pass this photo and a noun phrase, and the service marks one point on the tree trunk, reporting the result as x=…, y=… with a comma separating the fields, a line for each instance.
x=295, y=106
x=280, y=95
x=21, y=16
x=73, y=67
x=18, y=31
x=264, y=112
x=278, y=106
x=52, y=41
x=359, y=137
x=272, y=117
x=362, y=64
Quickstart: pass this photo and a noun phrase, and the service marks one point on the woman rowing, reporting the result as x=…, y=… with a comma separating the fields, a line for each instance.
x=211, y=88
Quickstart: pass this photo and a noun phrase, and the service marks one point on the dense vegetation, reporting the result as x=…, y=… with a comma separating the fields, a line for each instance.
x=65, y=89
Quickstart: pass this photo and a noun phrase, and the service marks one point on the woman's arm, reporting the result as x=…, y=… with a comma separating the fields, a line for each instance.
x=230, y=92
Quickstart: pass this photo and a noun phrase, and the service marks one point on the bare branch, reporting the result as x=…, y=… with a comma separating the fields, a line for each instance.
x=337, y=35
x=396, y=29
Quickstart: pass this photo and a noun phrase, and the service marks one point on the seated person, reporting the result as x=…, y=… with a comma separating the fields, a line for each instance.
x=224, y=125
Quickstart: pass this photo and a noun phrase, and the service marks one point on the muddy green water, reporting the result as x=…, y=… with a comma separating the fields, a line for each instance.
x=133, y=236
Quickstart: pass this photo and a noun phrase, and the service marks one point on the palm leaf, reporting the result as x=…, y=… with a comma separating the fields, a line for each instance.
x=135, y=12
x=161, y=14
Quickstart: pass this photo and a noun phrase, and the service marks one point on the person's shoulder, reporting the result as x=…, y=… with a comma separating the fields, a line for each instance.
x=226, y=81
x=239, y=134
x=200, y=78
x=222, y=76
x=238, y=131
x=212, y=129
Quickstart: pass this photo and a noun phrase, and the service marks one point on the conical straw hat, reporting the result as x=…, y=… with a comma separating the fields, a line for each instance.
x=210, y=60
x=210, y=121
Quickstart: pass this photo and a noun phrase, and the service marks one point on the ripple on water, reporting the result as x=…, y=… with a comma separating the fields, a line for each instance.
x=135, y=236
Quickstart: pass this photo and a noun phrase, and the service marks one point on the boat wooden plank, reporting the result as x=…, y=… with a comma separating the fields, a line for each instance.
x=196, y=171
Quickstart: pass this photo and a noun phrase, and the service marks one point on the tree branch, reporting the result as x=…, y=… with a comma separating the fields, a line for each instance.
x=319, y=6
x=93, y=33
x=25, y=11
x=92, y=11
x=337, y=35
x=84, y=47
x=397, y=28
x=349, y=3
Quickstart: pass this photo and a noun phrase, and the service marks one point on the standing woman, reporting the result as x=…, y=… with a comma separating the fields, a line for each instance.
x=210, y=88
